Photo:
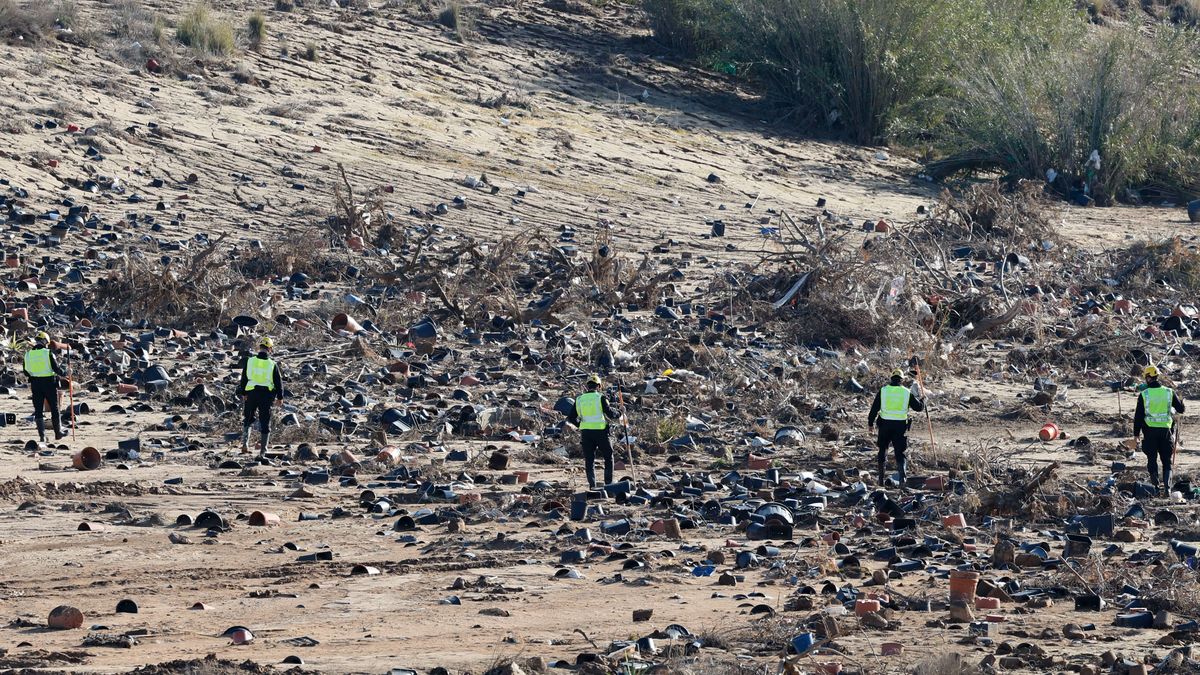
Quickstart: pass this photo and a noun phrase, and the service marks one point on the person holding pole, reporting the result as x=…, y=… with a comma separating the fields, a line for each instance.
x=891, y=406
x=591, y=414
x=1153, y=421
x=43, y=373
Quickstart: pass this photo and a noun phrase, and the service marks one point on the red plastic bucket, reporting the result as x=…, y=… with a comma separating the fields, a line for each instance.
x=1049, y=432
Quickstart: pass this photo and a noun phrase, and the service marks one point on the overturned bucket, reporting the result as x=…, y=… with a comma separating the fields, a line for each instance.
x=345, y=322
x=87, y=459
x=1077, y=546
x=962, y=586
x=263, y=519
x=1049, y=432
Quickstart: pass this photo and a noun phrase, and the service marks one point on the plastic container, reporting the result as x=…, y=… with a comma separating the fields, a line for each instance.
x=345, y=322
x=774, y=513
x=1049, y=432
x=671, y=529
x=87, y=459
x=498, y=461
x=803, y=642
x=962, y=586
x=864, y=607
x=1077, y=546
x=578, y=510
x=263, y=519
x=954, y=520
x=987, y=603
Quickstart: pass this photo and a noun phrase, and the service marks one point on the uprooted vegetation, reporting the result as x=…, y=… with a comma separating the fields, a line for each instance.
x=202, y=288
x=1170, y=587
x=987, y=263
x=1169, y=264
x=196, y=290
x=912, y=285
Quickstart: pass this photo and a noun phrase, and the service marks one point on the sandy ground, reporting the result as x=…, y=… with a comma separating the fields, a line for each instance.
x=597, y=157
x=374, y=623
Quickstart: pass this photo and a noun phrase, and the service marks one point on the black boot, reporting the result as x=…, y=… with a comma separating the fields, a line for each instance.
x=263, y=442
x=882, y=475
x=41, y=429
x=1166, y=483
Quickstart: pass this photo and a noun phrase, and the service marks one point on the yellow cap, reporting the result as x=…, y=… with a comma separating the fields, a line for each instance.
x=1150, y=371
x=594, y=379
x=267, y=342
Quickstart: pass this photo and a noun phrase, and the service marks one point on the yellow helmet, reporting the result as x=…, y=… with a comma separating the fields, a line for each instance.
x=1150, y=371
x=42, y=336
x=897, y=373
x=593, y=379
x=267, y=342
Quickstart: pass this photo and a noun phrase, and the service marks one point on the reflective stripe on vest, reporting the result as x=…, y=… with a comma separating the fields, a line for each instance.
x=37, y=363
x=260, y=373
x=1157, y=406
x=893, y=403
x=590, y=411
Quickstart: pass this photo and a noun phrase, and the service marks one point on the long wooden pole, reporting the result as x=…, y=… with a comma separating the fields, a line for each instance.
x=70, y=392
x=625, y=418
x=928, y=419
x=1175, y=444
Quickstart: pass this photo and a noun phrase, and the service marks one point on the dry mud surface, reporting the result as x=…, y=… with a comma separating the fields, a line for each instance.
x=570, y=104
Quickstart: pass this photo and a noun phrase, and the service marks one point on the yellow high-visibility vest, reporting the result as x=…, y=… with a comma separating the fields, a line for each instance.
x=893, y=403
x=37, y=363
x=260, y=373
x=591, y=411
x=1156, y=402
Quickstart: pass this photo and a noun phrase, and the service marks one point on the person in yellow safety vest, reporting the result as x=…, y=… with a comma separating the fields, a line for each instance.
x=591, y=414
x=1153, y=421
x=43, y=373
x=261, y=385
x=891, y=406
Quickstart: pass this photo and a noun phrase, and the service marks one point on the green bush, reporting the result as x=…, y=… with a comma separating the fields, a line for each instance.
x=694, y=28
x=855, y=66
x=1016, y=86
x=1128, y=97
x=202, y=31
x=1185, y=12
x=24, y=24
x=458, y=18
x=256, y=28
x=852, y=64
